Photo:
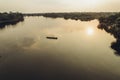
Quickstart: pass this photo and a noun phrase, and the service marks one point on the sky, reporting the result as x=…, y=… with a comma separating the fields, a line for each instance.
x=35, y=6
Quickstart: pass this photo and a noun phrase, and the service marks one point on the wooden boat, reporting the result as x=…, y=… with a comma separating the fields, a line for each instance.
x=51, y=37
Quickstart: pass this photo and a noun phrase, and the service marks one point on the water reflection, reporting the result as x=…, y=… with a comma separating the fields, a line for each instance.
x=28, y=55
x=3, y=25
x=90, y=31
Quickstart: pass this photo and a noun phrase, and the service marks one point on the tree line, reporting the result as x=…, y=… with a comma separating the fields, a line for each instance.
x=111, y=24
x=10, y=18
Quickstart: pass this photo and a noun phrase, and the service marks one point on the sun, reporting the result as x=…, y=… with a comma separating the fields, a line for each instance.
x=89, y=31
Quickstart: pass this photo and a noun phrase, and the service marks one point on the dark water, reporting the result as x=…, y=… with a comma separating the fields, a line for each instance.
x=81, y=52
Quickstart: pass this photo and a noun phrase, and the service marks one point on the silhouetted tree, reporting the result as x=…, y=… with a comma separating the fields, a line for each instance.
x=10, y=18
x=111, y=25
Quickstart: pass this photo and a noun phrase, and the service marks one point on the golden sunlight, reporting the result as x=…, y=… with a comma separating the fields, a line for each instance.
x=89, y=31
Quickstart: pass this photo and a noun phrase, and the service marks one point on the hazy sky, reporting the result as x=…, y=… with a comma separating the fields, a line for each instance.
x=59, y=5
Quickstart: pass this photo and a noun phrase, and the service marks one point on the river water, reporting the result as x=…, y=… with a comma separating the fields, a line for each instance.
x=81, y=52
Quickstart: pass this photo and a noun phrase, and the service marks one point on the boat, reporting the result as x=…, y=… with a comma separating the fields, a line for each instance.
x=51, y=37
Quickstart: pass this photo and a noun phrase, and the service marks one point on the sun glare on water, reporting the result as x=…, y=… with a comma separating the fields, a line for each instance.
x=89, y=31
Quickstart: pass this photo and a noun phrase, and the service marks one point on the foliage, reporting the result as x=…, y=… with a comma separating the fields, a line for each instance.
x=111, y=24
x=10, y=18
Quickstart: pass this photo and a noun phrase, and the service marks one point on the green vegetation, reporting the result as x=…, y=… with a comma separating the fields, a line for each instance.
x=10, y=18
x=111, y=24
x=83, y=16
x=33, y=14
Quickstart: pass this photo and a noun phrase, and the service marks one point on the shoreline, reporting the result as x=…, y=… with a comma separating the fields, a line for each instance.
x=10, y=19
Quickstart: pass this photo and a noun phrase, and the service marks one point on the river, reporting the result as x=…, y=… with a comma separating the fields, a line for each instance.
x=81, y=52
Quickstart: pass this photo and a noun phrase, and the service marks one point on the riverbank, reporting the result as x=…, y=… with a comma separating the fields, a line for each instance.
x=83, y=16
x=111, y=24
x=10, y=18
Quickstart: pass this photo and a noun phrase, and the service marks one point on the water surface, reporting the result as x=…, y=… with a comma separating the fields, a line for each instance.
x=81, y=52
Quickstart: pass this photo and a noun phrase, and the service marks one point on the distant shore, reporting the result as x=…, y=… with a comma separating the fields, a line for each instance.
x=10, y=18
x=83, y=16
